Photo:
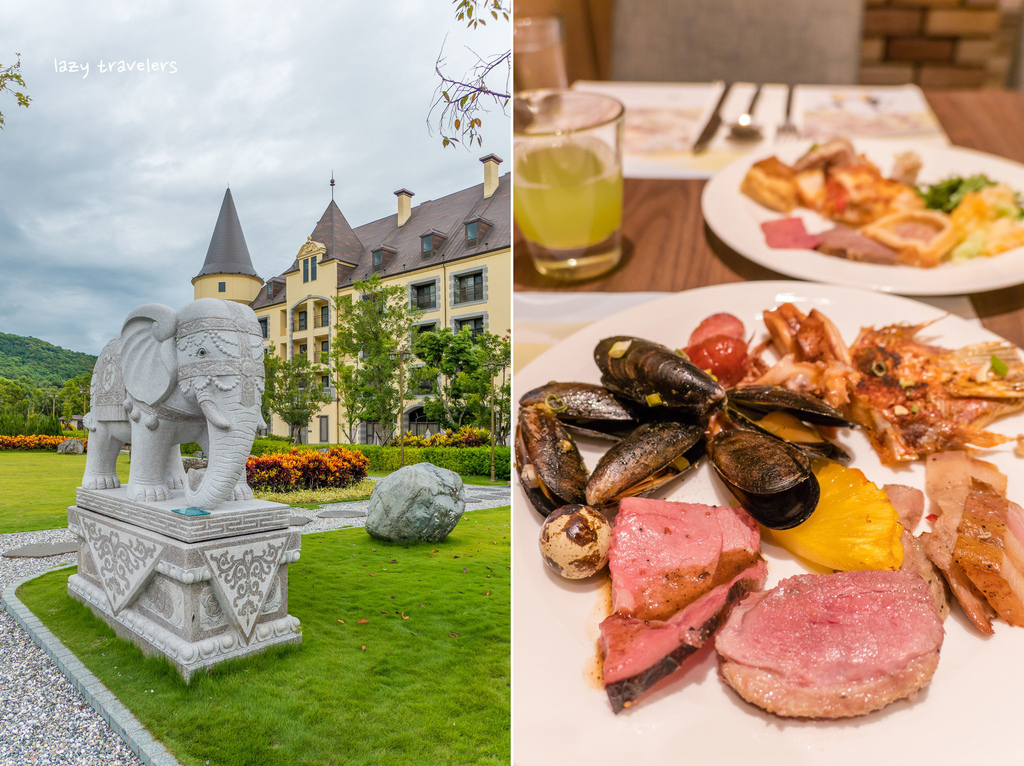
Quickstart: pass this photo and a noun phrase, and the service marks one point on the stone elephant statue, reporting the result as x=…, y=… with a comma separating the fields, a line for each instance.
x=172, y=377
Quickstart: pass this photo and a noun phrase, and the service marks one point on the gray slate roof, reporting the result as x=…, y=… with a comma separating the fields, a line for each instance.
x=228, y=253
x=446, y=215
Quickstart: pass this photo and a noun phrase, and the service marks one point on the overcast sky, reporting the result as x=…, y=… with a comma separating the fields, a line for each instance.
x=111, y=181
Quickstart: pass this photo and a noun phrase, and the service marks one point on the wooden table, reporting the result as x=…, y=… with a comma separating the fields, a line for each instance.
x=668, y=247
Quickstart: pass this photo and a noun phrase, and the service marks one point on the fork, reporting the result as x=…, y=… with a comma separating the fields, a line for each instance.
x=787, y=130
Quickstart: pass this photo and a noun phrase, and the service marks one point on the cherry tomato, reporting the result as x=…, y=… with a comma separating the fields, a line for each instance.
x=717, y=324
x=723, y=355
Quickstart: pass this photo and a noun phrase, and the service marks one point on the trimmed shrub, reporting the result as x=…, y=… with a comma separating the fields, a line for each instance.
x=467, y=461
x=467, y=436
x=305, y=469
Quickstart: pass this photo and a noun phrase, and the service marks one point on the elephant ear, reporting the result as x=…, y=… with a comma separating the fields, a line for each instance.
x=148, y=355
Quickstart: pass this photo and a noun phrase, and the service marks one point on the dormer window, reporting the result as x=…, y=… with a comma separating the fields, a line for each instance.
x=431, y=242
x=270, y=290
x=382, y=257
x=476, y=230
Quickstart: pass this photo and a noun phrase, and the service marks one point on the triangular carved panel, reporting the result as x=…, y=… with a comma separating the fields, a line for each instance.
x=242, y=576
x=125, y=561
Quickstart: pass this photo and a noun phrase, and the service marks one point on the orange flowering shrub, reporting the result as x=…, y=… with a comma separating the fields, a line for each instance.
x=306, y=469
x=35, y=441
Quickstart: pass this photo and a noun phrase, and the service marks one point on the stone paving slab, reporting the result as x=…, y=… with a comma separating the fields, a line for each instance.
x=341, y=514
x=41, y=550
x=298, y=521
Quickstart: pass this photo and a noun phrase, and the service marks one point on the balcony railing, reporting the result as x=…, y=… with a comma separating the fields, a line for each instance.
x=425, y=304
x=468, y=294
x=321, y=321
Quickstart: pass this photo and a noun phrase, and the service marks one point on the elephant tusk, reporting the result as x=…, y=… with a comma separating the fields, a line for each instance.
x=214, y=415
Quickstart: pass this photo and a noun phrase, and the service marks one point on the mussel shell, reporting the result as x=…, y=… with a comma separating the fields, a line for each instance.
x=806, y=407
x=820, y=448
x=647, y=368
x=770, y=478
x=544, y=447
x=643, y=461
x=586, y=408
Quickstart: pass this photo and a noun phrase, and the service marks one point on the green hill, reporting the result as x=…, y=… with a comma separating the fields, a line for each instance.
x=43, y=363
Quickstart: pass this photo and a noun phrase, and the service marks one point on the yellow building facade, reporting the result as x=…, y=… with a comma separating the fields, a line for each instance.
x=452, y=254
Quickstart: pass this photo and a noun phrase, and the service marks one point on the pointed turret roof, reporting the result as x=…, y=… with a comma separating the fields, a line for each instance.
x=334, y=231
x=228, y=253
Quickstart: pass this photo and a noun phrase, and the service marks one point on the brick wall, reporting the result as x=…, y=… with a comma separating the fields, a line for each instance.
x=934, y=43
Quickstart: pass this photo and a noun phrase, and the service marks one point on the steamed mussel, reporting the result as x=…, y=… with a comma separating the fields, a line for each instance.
x=651, y=455
x=587, y=408
x=550, y=467
x=652, y=374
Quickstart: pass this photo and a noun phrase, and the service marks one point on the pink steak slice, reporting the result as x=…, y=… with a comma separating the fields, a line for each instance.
x=665, y=555
x=832, y=646
x=639, y=653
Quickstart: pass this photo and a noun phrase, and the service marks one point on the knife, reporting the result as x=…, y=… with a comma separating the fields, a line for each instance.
x=714, y=123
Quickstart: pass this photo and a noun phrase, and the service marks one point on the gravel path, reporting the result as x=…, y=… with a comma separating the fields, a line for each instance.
x=43, y=720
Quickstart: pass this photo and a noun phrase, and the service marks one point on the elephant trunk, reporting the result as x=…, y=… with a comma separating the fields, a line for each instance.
x=231, y=429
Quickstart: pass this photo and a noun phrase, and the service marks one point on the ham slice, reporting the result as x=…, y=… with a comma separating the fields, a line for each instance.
x=639, y=653
x=949, y=479
x=789, y=233
x=847, y=242
x=909, y=504
x=832, y=646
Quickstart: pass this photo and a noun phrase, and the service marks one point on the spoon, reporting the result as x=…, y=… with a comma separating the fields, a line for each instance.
x=745, y=129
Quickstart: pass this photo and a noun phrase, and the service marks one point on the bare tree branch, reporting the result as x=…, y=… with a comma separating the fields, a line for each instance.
x=461, y=101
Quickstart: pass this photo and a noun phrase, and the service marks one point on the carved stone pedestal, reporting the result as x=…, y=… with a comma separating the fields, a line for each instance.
x=196, y=587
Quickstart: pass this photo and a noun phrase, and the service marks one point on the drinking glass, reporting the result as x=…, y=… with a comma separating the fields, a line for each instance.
x=567, y=181
x=538, y=59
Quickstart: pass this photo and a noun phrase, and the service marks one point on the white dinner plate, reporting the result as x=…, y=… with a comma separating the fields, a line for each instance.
x=561, y=716
x=736, y=220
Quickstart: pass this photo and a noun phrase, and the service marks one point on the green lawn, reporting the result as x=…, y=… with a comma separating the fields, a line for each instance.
x=404, y=660
x=37, y=486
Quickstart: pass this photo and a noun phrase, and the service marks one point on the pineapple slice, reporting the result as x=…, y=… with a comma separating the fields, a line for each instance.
x=854, y=526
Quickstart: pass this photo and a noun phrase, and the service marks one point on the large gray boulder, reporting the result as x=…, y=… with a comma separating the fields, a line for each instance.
x=71, y=447
x=418, y=502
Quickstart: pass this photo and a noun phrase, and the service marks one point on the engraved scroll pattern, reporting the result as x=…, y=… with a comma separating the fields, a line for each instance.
x=122, y=559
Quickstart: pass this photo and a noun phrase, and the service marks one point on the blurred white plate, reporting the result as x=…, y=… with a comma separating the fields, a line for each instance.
x=561, y=716
x=736, y=220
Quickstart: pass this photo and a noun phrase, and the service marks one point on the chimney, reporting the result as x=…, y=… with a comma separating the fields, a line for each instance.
x=404, y=205
x=491, y=162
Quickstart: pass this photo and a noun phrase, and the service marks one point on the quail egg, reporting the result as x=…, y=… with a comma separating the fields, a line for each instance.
x=574, y=541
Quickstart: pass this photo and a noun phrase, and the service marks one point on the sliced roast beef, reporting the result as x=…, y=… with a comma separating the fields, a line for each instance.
x=832, y=646
x=847, y=242
x=639, y=653
x=789, y=233
x=664, y=555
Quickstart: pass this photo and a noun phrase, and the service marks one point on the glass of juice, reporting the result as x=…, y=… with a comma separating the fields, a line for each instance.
x=567, y=181
x=538, y=53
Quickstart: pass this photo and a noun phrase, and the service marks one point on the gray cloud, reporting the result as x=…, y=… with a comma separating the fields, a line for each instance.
x=110, y=183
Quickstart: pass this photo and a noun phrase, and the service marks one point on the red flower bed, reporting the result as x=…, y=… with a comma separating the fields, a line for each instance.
x=308, y=469
x=35, y=441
